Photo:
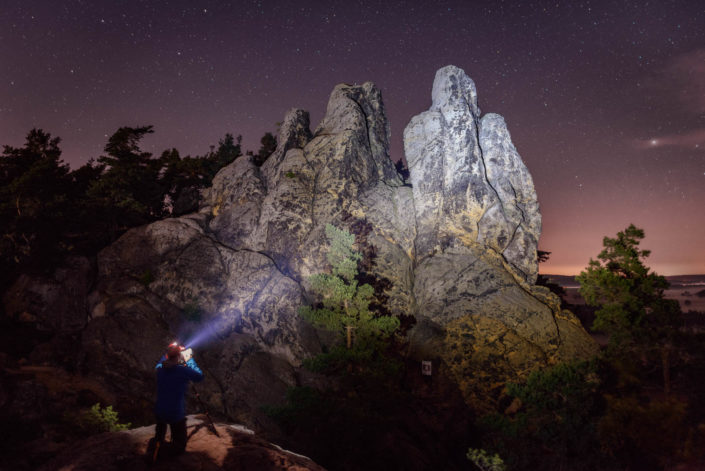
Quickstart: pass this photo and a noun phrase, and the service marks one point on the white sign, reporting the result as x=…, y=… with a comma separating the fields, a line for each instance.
x=426, y=368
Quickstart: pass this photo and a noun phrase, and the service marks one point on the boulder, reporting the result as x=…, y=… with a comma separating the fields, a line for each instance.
x=235, y=447
x=55, y=302
x=238, y=268
x=510, y=178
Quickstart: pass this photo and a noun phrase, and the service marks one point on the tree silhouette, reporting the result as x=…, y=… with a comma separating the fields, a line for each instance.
x=269, y=145
x=129, y=192
x=48, y=211
x=542, y=256
x=34, y=202
x=229, y=149
x=402, y=170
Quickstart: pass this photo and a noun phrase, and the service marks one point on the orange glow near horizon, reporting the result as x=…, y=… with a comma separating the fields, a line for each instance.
x=664, y=269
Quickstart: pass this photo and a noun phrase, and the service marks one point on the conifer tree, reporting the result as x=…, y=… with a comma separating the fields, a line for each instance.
x=628, y=295
x=34, y=204
x=632, y=307
x=128, y=192
x=345, y=304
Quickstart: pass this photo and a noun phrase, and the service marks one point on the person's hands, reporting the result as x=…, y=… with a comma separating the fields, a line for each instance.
x=186, y=355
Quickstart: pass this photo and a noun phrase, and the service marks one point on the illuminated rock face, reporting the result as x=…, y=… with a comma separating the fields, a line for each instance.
x=241, y=263
x=341, y=174
x=456, y=250
x=478, y=225
x=470, y=185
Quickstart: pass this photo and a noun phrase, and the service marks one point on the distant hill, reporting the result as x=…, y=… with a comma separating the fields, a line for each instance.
x=566, y=281
x=677, y=281
x=686, y=281
x=688, y=290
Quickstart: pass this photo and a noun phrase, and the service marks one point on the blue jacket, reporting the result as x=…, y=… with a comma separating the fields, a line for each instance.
x=172, y=380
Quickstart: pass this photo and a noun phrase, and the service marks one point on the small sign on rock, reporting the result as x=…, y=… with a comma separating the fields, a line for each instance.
x=426, y=368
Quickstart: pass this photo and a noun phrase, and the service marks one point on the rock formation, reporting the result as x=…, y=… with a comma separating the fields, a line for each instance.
x=478, y=224
x=236, y=447
x=471, y=188
x=456, y=250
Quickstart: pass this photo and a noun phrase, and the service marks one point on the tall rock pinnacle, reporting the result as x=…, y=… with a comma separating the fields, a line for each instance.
x=470, y=184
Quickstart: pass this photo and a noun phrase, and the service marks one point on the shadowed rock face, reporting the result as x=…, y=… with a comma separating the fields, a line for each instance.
x=457, y=251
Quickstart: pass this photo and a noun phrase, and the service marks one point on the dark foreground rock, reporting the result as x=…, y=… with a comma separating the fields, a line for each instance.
x=237, y=448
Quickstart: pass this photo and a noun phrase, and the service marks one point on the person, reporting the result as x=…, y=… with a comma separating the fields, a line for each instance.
x=176, y=369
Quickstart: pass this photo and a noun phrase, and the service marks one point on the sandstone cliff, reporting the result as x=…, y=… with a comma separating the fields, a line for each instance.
x=456, y=250
x=478, y=225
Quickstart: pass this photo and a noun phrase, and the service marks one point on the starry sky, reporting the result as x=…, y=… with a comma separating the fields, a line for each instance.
x=605, y=100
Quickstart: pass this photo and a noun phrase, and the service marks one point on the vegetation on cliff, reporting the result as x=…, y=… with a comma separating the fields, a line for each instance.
x=370, y=396
x=344, y=303
x=634, y=405
x=48, y=211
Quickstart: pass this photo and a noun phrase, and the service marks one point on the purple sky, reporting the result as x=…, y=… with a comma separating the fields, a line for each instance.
x=605, y=101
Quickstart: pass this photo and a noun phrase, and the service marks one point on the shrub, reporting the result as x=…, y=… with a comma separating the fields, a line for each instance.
x=643, y=433
x=301, y=401
x=484, y=461
x=98, y=420
x=554, y=427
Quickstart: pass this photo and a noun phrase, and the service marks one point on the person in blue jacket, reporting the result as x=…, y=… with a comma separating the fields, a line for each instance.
x=174, y=372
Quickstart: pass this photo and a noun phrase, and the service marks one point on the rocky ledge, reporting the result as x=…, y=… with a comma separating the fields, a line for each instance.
x=236, y=447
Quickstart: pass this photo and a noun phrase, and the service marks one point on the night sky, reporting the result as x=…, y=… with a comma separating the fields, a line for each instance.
x=605, y=101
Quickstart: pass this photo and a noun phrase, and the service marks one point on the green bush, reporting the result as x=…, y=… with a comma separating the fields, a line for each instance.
x=98, y=420
x=554, y=427
x=484, y=461
x=644, y=433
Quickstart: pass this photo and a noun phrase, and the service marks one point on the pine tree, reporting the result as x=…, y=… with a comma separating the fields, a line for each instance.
x=622, y=287
x=128, y=192
x=34, y=204
x=633, y=308
x=345, y=304
x=269, y=145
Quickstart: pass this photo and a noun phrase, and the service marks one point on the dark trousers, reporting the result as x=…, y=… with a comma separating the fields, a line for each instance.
x=178, y=434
